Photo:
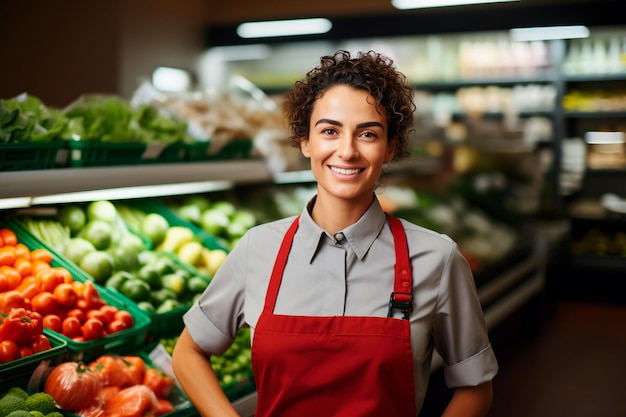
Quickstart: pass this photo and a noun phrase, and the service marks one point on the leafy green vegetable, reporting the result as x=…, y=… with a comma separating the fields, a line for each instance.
x=111, y=119
x=26, y=119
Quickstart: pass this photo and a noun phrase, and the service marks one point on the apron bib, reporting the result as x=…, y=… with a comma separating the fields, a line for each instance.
x=335, y=365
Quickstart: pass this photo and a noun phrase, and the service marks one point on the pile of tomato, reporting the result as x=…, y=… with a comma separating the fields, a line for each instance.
x=28, y=280
x=21, y=335
x=111, y=385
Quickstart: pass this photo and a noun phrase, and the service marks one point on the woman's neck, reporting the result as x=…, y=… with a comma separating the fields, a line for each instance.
x=334, y=215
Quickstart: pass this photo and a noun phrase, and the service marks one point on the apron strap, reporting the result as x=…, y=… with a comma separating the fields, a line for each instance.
x=279, y=267
x=402, y=295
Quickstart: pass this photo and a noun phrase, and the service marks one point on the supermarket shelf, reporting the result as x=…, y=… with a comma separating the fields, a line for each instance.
x=26, y=188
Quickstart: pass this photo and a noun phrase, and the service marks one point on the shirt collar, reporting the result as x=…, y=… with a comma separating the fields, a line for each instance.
x=360, y=235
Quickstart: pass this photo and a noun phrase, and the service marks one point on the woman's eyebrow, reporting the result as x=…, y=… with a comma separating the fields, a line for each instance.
x=360, y=125
x=370, y=124
x=329, y=121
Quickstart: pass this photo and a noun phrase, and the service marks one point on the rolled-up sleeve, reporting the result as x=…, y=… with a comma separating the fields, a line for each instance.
x=460, y=331
x=210, y=321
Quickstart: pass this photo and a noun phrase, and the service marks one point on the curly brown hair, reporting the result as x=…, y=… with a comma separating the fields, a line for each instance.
x=369, y=71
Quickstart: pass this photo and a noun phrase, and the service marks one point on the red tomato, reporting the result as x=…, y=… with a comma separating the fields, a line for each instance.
x=163, y=406
x=73, y=386
x=71, y=327
x=135, y=368
x=78, y=313
x=110, y=371
x=12, y=299
x=134, y=401
x=48, y=280
x=116, y=326
x=65, y=295
x=90, y=298
x=159, y=382
x=24, y=351
x=93, y=329
x=99, y=315
x=52, y=322
x=108, y=392
x=44, y=303
x=8, y=351
x=126, y=317
x=40, y=343
x=109, y=312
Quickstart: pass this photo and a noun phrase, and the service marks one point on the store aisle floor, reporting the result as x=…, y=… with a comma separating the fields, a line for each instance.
x=573, y=365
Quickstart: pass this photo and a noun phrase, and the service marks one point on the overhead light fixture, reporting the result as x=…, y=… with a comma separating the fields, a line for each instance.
x=274, y=28
x=171, y=79
x=242, y=52
x=548, y=33
x=424, y=4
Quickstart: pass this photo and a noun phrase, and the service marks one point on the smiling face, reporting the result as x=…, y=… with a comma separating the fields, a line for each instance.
x=347, y=145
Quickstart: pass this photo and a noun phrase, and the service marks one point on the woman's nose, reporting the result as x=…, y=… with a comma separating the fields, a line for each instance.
x=347, y=148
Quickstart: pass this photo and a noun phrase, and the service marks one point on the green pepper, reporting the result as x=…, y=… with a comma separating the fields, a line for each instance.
x=21, y=326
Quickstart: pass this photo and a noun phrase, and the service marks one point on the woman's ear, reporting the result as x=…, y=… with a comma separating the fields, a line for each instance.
x=391, y=149
x=304, y=147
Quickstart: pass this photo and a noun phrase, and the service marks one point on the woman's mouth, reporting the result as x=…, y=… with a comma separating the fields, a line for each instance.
x=346, y=171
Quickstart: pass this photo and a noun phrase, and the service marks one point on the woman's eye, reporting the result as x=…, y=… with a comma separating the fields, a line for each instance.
x=369, y=135
x=328, y=131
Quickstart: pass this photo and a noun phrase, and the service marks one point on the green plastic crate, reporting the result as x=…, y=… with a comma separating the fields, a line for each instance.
x=169, y=323
x=235, y=149
x=197, y=151
x=24, y=156
x=17, y=373
x=134, y=336
x=238, y=389
x=94, y=153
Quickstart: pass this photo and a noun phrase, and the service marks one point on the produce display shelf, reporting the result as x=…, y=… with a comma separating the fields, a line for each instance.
x=155, y=206
x=95, y=153
x=18, y=372
x=18, y=156
x=83, y=350
x=32, y=187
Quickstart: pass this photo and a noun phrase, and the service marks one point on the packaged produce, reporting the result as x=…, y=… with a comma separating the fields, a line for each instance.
x=127, y=384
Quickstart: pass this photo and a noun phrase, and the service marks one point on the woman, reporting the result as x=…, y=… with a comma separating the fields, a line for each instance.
x=345, y=302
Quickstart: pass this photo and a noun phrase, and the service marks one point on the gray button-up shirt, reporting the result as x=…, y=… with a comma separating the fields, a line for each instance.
x=353, y=277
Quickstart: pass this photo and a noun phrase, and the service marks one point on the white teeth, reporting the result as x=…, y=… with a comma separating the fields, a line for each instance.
x=345, y=171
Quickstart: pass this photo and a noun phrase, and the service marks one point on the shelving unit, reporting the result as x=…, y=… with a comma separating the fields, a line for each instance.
x=26, y=188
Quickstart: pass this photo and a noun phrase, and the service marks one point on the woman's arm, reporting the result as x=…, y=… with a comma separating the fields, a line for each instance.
x=470, y=401
x=196, y=376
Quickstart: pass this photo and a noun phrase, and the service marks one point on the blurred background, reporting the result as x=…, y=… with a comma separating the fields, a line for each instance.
x=518, y=152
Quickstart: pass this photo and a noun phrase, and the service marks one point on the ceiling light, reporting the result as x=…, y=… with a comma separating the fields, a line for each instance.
x=549, y=32
x=423, y=4
x=171, y=79
x=274, y=28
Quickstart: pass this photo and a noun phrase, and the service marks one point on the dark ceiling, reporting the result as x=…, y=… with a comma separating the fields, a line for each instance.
x=373, y=21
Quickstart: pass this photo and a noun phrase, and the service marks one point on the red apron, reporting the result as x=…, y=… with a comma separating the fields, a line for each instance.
x=335, y=365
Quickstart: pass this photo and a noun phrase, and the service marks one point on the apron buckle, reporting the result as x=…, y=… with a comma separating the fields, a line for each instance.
x=402, y=301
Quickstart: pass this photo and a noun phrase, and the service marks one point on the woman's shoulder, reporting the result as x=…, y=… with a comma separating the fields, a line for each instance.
x=415, y=231
x=269, y=229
